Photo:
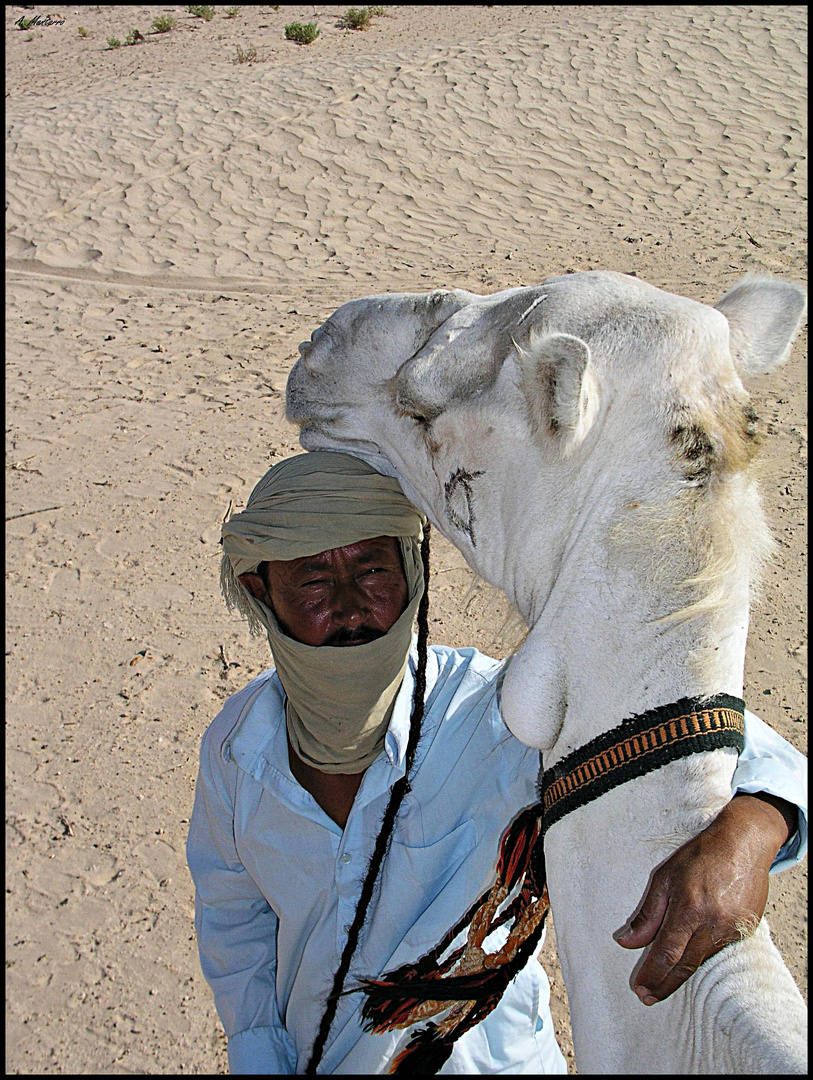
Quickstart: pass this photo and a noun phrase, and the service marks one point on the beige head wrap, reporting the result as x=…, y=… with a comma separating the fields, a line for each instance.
x=339, y=699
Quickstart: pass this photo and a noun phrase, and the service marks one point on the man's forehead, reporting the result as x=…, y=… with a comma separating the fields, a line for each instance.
x=361, y=551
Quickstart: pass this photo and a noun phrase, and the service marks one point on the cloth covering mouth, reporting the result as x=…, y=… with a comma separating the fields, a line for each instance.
x=339, y=699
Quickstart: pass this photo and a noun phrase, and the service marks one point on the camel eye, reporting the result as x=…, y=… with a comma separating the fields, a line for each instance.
x=410, y=405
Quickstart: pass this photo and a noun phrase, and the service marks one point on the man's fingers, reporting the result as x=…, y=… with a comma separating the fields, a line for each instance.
x=644, y=926
x=673, y=957
x=670, y=956
x=700, y=898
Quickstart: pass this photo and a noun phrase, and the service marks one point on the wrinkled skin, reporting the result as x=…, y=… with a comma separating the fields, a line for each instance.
x=707, y=894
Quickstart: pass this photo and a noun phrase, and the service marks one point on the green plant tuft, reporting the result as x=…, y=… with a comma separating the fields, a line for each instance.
x=113, y=43
x=356, y=18
x=163, y=23
x=201, y=11
x=82, y=32
x=134, y=37
x=302, y=33
x=232, y=12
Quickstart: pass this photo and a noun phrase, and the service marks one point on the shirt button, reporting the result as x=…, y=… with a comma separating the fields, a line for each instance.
x=345, y=859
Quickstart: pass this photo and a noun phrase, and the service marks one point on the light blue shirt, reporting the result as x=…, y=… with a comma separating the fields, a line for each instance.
x=277, y=880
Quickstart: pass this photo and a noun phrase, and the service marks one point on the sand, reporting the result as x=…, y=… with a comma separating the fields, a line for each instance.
x=177, y=222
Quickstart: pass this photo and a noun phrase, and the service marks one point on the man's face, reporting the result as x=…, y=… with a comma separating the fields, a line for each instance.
x=346, y=596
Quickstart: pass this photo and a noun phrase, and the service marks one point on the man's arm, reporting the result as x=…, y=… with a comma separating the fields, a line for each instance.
x=770, y=767
x=236, y=929
x=713, y=890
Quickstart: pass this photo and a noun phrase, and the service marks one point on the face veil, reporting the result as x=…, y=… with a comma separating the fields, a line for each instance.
x=339, y=701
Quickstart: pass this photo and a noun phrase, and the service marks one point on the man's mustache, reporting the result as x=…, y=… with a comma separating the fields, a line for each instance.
x=360, y=636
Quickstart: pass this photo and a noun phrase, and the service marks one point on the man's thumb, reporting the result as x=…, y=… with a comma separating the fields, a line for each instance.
x=644, y=925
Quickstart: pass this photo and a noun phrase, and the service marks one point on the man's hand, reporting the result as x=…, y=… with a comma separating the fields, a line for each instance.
x=710, y=892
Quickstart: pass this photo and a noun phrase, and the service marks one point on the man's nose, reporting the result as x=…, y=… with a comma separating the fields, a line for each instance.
x=350, y=607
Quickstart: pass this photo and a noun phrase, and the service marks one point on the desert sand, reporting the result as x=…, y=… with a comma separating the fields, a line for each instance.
x=177, y=221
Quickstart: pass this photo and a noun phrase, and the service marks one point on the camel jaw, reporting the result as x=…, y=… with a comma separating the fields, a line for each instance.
x=312, y=436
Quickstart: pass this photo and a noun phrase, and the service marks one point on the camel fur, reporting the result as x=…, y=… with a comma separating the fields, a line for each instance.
x=589, y=446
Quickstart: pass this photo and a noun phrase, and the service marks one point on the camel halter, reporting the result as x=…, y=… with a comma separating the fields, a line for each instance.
x=418, y=991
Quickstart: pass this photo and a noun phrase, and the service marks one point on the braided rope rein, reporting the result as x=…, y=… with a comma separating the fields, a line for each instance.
x=382, y=844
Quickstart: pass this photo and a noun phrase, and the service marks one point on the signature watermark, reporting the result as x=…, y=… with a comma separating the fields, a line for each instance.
x=27, y=22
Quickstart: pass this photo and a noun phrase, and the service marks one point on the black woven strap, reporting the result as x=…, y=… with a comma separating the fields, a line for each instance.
x=638, y=746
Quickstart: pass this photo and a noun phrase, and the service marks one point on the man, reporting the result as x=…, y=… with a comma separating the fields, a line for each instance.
x=300, y=768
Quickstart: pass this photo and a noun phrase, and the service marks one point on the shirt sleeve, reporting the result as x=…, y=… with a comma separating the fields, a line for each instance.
x=235, y=926
x=768, y=763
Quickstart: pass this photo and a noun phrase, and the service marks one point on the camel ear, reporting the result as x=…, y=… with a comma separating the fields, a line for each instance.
x=560, y=386
x=764, y=317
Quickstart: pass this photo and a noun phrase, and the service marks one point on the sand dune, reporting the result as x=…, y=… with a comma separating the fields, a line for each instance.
x=290, y=168
x=176, y=224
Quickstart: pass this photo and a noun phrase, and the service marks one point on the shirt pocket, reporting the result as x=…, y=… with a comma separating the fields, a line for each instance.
x=425, y=890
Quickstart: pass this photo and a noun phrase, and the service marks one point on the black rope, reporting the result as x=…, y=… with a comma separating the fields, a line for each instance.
x=382, y=844
x=393, y=1001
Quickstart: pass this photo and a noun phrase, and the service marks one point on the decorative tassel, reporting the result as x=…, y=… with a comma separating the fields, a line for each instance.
x=478, y=980
x=469, y=984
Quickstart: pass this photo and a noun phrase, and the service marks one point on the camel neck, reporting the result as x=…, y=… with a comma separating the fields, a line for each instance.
x=598, y=655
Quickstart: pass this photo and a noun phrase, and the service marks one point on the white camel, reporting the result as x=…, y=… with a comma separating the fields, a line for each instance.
x=587, y=444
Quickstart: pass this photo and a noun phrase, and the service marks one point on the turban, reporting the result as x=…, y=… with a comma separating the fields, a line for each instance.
x=338, y=700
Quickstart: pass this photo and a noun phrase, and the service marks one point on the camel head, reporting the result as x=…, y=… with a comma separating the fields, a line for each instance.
x=520, y=420
x=361, y=341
